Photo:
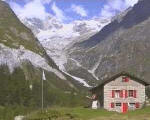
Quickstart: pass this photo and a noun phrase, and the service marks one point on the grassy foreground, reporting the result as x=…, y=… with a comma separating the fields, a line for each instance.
x=88, y=114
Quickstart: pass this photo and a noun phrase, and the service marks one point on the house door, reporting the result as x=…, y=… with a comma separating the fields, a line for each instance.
x=124, y=107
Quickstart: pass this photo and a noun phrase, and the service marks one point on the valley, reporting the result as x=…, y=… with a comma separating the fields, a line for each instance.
x=73, y=57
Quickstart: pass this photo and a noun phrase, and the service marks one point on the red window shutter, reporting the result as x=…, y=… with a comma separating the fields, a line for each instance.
x=113, y=93
x=137, y=105
x=126, y=79
x=134, y=94
x=121, y=93
x=126, y=93
x=112, y=105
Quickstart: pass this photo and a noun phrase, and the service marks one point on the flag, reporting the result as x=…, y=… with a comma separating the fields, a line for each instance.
x=43, y=77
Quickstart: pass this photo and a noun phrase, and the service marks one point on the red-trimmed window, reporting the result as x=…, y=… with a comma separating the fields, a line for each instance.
x=137, y=105
x=131, y=93
x=125, y=79
x=112, y=105
x=117, y=93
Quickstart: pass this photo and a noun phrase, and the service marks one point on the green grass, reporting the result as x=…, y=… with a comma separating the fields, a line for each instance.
x=80, y=113
x=9, y=112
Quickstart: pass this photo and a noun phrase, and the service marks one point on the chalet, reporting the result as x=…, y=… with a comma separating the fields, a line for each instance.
x=121, y=92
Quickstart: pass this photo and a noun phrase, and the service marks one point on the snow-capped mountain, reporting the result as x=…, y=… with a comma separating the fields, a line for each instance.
x=56, y=36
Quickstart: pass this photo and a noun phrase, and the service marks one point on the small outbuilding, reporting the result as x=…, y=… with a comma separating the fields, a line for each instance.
x=122, y=92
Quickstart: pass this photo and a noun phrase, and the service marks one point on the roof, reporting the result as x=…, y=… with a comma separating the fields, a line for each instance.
x=118, y=75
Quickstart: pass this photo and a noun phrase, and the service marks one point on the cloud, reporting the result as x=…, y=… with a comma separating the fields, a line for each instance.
x=37, y=9
x=131, y=2
x=79, y=10
x=46, y=1
x=115, y=6
x=32, y=9
x=58, y=12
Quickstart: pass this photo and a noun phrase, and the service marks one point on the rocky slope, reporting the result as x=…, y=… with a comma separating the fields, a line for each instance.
x=122, y=45
x=22, y=61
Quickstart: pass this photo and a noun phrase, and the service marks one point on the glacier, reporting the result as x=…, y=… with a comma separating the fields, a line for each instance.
x=56, y=36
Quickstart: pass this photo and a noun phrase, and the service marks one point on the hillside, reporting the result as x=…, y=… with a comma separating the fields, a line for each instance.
x=122, y=45
x=22, y=61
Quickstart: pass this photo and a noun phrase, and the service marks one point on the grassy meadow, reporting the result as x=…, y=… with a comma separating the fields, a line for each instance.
x=88, y=114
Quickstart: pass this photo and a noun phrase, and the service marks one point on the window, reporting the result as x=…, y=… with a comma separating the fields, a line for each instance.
x=112, y=105
x=134, y=105
x=118, y=104
x=117, y=93
x=131, y=93
x=125, y=79
x=131, y=104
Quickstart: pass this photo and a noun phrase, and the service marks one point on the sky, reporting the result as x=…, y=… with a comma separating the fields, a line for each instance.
x=69, y=10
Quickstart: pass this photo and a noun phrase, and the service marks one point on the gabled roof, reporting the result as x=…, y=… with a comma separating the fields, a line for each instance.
x=121, y=74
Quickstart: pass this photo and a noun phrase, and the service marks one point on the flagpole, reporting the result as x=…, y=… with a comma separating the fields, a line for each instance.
x=43, y=78
x=42, y=93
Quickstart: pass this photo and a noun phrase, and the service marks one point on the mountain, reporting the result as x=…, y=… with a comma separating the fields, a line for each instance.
x=22, y=62
x=122, y=45
x=56, y=37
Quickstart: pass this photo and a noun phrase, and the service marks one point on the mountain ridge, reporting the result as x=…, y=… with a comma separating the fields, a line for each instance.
x=55, y=36
x=121, y=45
